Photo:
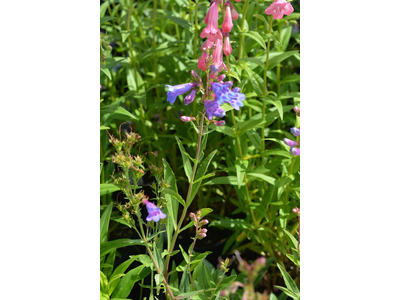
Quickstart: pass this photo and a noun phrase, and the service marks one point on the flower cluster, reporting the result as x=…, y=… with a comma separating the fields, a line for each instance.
x=215, y=92
x=200, y=232
x=279, y=8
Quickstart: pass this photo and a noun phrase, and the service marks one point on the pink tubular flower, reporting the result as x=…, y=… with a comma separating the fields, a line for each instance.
x=217, y=53
x=227, y=46
x=227, y=24
x=202, y=62
x=238, y=0
x=221, y=77
x=279, y=8
x=235, y=15
x=211, y=31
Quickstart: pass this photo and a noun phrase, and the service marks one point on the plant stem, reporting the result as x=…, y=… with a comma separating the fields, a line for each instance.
x=155, y=45
x=196, y=29
x=265, y=89
x=144, y=238
x=241, y=39
x=216, y=287
x=189, y=195
x=190, y=254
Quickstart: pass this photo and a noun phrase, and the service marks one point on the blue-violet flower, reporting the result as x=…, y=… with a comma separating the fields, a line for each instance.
x=295, y=131
x=294, y=151
x=289, y=142
x=155, y=214
x=213, y=109
x=176, y=90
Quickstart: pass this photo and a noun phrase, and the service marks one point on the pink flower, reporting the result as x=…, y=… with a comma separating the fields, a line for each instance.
x=211, y=31
x=235, y=15
x=217, y=53
x=207, y=45
x=219, y=123
x=202, y=62
x=238, y=0
x=279, y=8
x=227, y=24
x=227, y=46
x=221, y=77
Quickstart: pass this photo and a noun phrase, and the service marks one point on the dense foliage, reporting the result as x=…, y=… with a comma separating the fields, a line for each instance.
x=200, y=195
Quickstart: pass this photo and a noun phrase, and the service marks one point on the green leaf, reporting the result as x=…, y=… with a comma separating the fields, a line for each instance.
x=204, y=177
x=293, y=259
x=275, y=102
x=291, y=78
x=108, y=188
x=273, y=62
x=175, y=195
x=186, y=162
x=126, y=284
x=189, y=294
x=232, y=224
x=166, y=253
x=104, y=221
x=290, y=284
x=200, y=173
x=120, y=270
x=250, y=124
x=288, y=292
x=172, y=205
x=262, y=18
x=225, y=130
x=292, y=239
x=109, y=246
x=255, y=36
x=105, y=71
x=104, y=127
x=179, y=21
x=223, y=180
x=105, y=19
x=266, y=178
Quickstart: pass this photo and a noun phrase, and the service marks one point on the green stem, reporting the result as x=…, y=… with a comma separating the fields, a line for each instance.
x=155, y=45
x=188, y=196
x=241, y=39
x=144, y=238
x=196, y=29
x=190, y=254
x=265, y=89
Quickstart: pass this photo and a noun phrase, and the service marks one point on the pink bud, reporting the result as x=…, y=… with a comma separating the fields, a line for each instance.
x=202, y=235
x=227, y=46
x=195, y=75
x=217, y=53
x=191, y=215
x=204, y=230
x=205, y=221
x=219, y=123
x=100, y=85
x=221, y=77
x=296, y=210
x=227, y=24
x=297, y=110
x=202, y=62
x=238, y=0
x=235, y=15
x=186, y=119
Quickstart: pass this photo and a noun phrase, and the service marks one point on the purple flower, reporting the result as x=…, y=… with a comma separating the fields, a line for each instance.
x=176, y=90
x=294, y=151
x=213, y=109
x=295, y=131
x=155, y=214
x=189, y=98
x=289, y=142
x=225, y=95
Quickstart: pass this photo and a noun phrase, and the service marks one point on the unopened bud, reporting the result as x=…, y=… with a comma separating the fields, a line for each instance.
x=202, y=235
x=289, y=142
x=297, y=110
x=187, y=119
x=221, y=77
x=195, y=75
x=127, y=217
x=295, y=131
x=191, y=215
x=219, y=123
x=205, y=222
x=203, y=230
x=295, y=151
x=296, y=210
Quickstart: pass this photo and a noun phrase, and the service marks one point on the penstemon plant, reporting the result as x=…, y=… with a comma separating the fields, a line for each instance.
x=244, y=67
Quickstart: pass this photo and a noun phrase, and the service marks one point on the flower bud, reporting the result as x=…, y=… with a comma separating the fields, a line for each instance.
x=202, y=235
x=221, y=77
x=295, y=131
x=296, y=210
x=204, y=222
x=191, y=215
x=289, y=142
x=294, y=151
x=187, y=119
x=219, y=123
x=195, y=75
x=227, y=46
x=297, y=110
x=204, y=230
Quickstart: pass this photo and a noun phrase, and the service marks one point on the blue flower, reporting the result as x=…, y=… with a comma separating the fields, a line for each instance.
x=225, y=95
x=155, y=214
x=176, y=90
x=294, y=151
x=213, y=109
x=190, y=97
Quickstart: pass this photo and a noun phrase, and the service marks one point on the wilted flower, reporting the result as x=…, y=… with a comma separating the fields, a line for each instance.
x=295, y=131
x=279, y=8
x=176, y=90
x=155, y=214
x=217, y=55
x=289, y=142
x=294, y=151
